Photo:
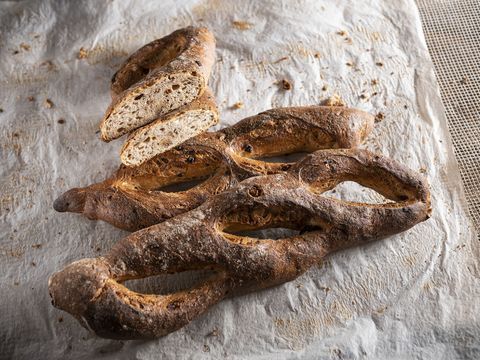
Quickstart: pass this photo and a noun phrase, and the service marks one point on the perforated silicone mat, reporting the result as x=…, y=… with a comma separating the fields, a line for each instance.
x=452, y=32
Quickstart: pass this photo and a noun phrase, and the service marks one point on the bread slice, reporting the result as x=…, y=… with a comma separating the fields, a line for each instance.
x=162, y=76
x=170, y=130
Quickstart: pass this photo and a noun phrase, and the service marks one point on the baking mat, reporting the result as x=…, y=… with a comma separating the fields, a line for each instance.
x=452, y=32
x=413, y=295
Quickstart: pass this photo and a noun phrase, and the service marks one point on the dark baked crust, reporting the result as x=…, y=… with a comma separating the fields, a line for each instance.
x=91, y=289
x=132, y=199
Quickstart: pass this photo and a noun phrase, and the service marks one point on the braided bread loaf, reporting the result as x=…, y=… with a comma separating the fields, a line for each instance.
x=133, y=198
x=204, y=238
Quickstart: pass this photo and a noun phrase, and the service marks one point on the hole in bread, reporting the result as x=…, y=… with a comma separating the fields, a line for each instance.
x=175, y=86
x=353, y=192
x=270, y=233
x=287, y=158
x=138, y=97
x=169, y=283
x=247, y=226
x=182, y=186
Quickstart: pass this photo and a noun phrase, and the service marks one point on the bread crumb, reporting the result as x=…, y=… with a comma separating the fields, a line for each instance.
x=324, y=88
x=286, y=85
x=342, y=33
x=423, y=170
x=379, y=63
x=316, y=55
x=237, y=105
x=379, y=117
x=281, y=59
x=49, y=64
x=1, y=110
x=34, y=263
x=60, y=319
x=214, y=332
x=25, y=47
x=206, y=348
x=16, y=283
x=348, y=40
x=82, y=53
x=31, y=98
x=335, y=100
x=348, y=63
x=374, y=82
x=363, y=96
x=61, y=121
x=464, y=80
x=48, y=104
x=242, y=25
x=36, y=246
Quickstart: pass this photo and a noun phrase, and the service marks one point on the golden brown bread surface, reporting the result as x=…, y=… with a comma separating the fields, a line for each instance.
x=158, y=78
x=135, y=197
x=204, y=238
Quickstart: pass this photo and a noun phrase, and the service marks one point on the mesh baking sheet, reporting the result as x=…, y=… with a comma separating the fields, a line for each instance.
x=452, y=32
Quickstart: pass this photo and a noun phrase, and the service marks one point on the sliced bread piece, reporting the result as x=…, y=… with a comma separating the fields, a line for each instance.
x=170, y=130
x=162, y=76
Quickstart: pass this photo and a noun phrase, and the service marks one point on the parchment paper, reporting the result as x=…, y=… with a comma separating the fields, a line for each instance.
x=414, y=295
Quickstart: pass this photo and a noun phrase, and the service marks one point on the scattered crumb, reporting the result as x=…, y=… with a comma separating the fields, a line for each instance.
x=286, y=85
x=1, y=110
x=214, y=332
x=379, y=63
x=279, y=322
x=348, y=63
x=98, y=249
x=16, y=283
x=464, y=80
x=48, y=104
x=82, y=53
x=316, y=55
x=34, y=263
x=60, y=319
x=324, y=88
x=49, y=64
x=335, y=100
x=348, y=41
x=237, y=105
x=363, y=96
x=31, y=98
x=423, y=170
x=15, y=52
x=281, y=59
x=342, y=33
x=374, y=93
x=206, y=348
x=242, y=25
x=405, y=106
x=299, y=286
x=374, y=82
x=61, y=121
x=36, y=246
x=379, y=117
x=25, y=47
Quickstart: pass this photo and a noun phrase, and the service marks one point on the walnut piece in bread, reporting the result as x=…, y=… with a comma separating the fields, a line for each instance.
x=160, y=77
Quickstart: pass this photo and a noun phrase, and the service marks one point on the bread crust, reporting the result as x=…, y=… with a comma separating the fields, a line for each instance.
x=189, y=51
x=133, y=199
x=205, y=103
x=204, y=238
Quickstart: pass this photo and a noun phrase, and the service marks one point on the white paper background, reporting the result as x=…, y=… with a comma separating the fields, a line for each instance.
x=414, y=295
